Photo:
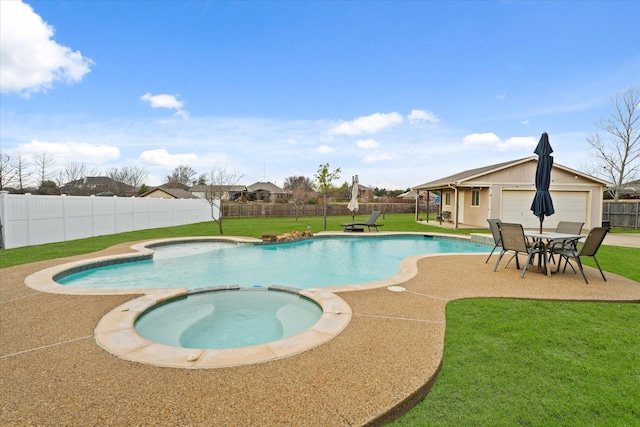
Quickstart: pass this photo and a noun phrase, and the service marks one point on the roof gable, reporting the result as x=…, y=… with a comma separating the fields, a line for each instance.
x=461, y=178
x=176, y=193
x=265, y=186
x=203, y=188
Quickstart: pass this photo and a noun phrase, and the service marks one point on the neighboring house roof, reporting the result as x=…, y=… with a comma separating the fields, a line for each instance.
x=229, y=188
x=631, y=188
x=93, y=181
x=266, y=186
x=174, y=193
x=459, y=179
x=91, y=184
x=632, y=185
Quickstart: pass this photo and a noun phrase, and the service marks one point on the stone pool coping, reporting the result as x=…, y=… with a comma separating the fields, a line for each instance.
x=115, y=333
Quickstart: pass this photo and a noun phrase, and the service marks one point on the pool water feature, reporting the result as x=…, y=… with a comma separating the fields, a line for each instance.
x=228, y=318
x=304, y=264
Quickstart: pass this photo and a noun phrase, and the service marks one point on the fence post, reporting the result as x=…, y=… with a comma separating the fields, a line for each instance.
x=3, y=214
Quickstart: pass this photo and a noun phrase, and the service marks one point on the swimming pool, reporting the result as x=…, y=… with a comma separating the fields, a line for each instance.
x=304, y=264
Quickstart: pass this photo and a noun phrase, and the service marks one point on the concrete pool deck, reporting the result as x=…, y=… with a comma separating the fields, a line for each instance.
x=381, y=364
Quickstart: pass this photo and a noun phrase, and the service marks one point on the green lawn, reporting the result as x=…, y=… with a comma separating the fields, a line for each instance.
x=506, y=362
x=535, y=363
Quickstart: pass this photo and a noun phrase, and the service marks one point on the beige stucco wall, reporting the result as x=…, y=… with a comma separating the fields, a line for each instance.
x=521, y=177
x=157, y=194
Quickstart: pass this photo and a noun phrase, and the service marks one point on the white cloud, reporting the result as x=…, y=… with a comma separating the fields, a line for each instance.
x=368, y=143
x=163, y=158
x=367, y=124
x=516, y=143
x=418, y=116
x=525, y=122
x=375, y=158
x=166, y=101
x=325, y=149
x=63, y=152
x=30, y=61
x=496, y=144
x=481, y=139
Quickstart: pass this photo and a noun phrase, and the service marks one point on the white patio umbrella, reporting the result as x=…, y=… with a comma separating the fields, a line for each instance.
x=353, y=203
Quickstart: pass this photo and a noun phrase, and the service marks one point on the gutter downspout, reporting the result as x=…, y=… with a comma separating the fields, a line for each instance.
x=455, y=190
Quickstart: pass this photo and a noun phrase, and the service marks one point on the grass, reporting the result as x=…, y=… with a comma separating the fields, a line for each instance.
x=506, y=362
x=535, y=363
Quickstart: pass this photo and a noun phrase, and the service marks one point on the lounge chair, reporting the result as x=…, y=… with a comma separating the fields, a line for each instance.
x=590, y=247
x=358, y=226
x=512, y=239
x=495, y=231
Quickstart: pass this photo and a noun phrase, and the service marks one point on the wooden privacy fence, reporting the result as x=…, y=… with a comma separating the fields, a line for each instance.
x=622, y=214
x=280, y=210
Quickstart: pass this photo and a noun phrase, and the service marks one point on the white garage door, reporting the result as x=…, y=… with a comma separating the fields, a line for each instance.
x=569, y=206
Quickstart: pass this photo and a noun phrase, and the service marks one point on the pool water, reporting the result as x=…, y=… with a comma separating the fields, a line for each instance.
x=310, y=263
x=228, y=319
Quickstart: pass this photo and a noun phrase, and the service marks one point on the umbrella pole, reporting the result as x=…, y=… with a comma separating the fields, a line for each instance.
x=541, y=220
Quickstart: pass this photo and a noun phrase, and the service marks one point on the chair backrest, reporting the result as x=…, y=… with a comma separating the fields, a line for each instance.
x=512, y=237
x=373, y=218
x=495, y=230
x=568, y=227
x=593, y=241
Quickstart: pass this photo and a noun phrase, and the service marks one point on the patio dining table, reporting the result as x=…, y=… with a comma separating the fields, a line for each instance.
x=548, y=239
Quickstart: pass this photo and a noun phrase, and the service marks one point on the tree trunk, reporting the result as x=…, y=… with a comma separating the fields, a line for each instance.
x=324, y=210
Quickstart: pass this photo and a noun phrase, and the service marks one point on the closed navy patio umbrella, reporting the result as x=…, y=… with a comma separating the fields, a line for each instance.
x=542, y=204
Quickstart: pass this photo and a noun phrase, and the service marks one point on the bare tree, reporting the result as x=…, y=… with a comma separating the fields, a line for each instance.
x=126, y=177
x=182, y=177
x=6, y=171
x=618, y=152
x=136, y=175
x=43, y=162
x=301, y=189
x=119, y=176
x=22, y=172
x=220, y=182
x=73, y=171
x=324, y=184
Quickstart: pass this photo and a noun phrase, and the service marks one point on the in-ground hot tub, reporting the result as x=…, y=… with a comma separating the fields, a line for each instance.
x=195, y=329
x=228, y=318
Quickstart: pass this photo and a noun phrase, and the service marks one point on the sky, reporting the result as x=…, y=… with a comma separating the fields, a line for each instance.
x=398, y=93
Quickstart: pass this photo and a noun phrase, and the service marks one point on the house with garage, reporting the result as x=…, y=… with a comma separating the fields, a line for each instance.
x=231, y=193
x=268, y=191
x=506, y=190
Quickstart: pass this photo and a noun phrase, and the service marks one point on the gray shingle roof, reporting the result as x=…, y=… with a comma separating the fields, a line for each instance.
x=485, y=170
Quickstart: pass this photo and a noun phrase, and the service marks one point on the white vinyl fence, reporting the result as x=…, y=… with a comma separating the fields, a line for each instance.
x=27, y=219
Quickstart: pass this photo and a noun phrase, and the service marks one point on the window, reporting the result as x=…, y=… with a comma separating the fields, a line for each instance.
x=475, y=198
x=447, y=198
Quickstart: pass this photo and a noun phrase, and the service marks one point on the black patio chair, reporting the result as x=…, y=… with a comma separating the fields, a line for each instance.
x=495, y=231
x=512, y=239
x=568, y=227
x=589, y=248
